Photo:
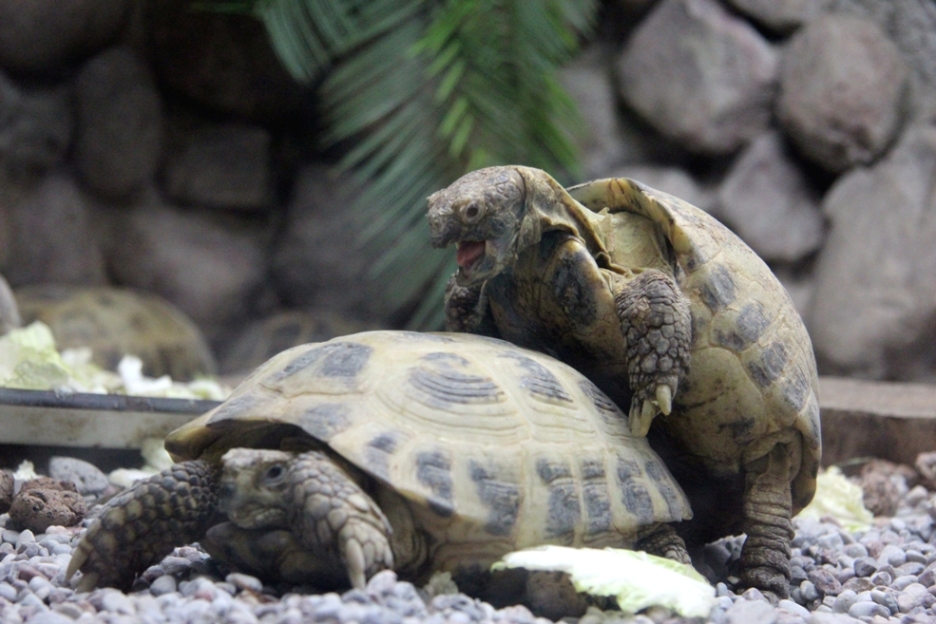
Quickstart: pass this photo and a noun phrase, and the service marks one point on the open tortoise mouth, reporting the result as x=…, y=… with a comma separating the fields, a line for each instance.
x=468, y=254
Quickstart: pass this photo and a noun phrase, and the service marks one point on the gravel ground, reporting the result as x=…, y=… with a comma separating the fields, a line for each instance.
x=884, y=574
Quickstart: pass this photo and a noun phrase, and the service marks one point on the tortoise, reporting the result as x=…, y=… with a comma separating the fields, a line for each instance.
x=669, y=313
x=115, y=322
x=9, y=312
x=414, y=451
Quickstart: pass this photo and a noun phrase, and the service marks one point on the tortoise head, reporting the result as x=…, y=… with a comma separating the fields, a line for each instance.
x=255, y=489
x=489, y=215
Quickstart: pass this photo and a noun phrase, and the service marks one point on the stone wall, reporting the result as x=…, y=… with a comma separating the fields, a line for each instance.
x=145, y=145
x=805, y=125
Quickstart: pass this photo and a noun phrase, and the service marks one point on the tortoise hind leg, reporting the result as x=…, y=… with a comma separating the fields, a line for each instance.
x=765, y=557
x=140, y=526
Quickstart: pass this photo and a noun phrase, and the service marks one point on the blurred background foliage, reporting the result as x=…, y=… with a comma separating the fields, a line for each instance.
x=418, y=92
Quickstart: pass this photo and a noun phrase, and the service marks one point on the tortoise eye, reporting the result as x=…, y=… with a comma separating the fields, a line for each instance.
x=472, y=212
x=274, y=473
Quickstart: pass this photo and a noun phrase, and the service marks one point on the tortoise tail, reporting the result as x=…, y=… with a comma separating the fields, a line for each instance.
x=140, y=526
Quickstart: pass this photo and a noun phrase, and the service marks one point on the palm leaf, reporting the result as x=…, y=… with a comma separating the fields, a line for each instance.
x=424, y=91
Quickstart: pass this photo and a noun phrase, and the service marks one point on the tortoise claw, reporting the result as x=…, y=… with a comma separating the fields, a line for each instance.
x=641, y=415
x=664, y=398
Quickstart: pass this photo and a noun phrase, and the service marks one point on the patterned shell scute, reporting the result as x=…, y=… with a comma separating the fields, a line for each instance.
x=511, y=441
x=752, y=377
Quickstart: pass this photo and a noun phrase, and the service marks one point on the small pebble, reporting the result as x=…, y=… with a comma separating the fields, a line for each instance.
x=244, y=582
x=792, y=607
x=165, y=584
x=868, y=609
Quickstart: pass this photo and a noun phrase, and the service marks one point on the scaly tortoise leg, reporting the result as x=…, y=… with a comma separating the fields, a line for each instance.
x=140, y=526
x=767, y=506
x=657, y=326
x=467, y=310
x=314, y=498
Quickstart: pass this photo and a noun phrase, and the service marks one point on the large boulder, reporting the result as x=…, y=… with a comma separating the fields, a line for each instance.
x=221, y=165
x=223, y=61
x=780, y=16
x=317, y=263
x=699, y=75
x=842, y=91
x=53, y=234
x=768, y=200
x=208, y=264
x=35, y=127
x=120, y=123
x=911, y=24
x=873, y=313
x=39, y=35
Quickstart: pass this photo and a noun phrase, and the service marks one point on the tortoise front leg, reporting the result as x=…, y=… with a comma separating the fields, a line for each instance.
x=467, y=310
x=140, y=526
x=657, y=327
x=765, y=557
x=663, y=541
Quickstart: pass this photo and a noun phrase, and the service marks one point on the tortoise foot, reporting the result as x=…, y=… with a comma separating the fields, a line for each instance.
x=655, y=320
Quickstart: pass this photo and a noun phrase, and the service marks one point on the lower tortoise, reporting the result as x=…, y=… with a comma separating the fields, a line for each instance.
x=417, y=452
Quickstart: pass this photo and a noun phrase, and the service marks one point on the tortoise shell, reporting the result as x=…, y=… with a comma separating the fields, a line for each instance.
x=115, y=322
x=752, y=380
x=492, y=447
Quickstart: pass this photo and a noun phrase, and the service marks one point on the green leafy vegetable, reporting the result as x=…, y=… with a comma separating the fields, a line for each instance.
x=839, y=498
x=636, y=579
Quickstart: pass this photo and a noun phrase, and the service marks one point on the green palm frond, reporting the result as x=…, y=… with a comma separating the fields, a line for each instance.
x=424, y=91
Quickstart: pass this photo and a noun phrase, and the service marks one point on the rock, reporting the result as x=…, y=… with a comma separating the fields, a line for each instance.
x=925, y=464
x=223, y=61
x=751, y=612
x=842, y=91
x=587, y=79
x=894, y=421
x=224, y=165
x=316, y=259
x=6, y=490
x=9, y=312
x=120, y=123
x=768, y=201
x=87, y=477
x=911, y=25
x=35, y=127
x=880, y=494
x=43, y=502
x=699, y=75
x=268, y=336
x=53, y=235
x=40, y=35
x=799, y=284
x=875, y=297
x=782, y=17
x=207, y=264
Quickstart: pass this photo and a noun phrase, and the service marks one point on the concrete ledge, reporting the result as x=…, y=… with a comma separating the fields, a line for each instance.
x=894, y=421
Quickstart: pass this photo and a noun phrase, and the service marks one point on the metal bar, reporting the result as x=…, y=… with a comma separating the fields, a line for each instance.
x=47, y=418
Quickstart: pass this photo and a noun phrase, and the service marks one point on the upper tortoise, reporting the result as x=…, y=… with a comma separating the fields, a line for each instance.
x=668, y=312
x=422, y=452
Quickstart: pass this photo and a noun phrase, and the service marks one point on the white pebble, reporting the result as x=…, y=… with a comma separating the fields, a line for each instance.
x=117, y=602
x=791, y=607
